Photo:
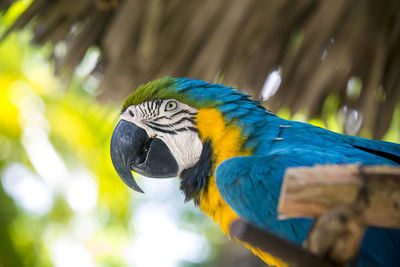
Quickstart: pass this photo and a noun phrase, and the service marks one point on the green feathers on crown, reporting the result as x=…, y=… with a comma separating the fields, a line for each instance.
x=155, y=89
x=166, y=88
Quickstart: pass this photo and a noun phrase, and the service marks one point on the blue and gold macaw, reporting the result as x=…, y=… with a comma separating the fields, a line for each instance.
x=230, y=155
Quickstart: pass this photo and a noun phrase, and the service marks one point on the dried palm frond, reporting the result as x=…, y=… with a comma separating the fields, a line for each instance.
x=318, y=46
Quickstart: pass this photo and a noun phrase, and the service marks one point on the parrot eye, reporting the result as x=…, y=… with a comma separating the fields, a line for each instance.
x=131, y=113
x=171, y=105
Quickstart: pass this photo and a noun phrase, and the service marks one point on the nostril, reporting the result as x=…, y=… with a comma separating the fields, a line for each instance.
x=147, y=145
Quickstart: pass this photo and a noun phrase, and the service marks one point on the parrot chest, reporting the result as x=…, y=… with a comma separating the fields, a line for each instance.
x=214, y=206
x=227, y=142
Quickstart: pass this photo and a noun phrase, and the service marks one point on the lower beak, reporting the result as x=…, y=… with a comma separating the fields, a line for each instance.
x=132, y=149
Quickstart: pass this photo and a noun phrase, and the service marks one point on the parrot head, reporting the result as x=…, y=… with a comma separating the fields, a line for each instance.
x=157, y=134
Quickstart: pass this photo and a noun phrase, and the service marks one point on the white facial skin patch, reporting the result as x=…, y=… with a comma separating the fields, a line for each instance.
x=172, y=122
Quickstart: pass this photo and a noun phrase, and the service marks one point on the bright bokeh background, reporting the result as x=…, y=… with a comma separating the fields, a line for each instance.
x=61, y=202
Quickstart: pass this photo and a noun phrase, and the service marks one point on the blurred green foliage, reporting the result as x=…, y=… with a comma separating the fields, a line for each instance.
x=38, y=113
x=61, y=201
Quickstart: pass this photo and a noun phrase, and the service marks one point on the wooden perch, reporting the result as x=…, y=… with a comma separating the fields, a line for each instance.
x=287, y=251
x=310, y=191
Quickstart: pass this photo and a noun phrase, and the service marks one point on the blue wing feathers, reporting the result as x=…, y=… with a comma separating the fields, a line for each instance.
x=251, y=185
x=228, y=107
x=257, y=205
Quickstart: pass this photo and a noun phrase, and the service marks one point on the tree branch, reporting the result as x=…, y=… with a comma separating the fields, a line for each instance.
x=310, y=191
x=287, y=251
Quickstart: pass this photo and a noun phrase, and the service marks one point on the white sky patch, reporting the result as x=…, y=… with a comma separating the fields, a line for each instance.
x=67, y=252
x=155, y=223
x=43, y=156
x=28, y=190
x=271, y=85
x=81, y=193
x=354, y=86
x=85, y=226
x=31, y=107
x=352, y=120
x=89, y=62
x=158, y=235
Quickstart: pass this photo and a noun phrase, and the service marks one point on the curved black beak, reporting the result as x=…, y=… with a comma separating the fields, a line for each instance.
x=132, y=149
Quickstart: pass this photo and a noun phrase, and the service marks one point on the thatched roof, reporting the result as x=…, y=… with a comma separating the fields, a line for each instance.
x=317, y=45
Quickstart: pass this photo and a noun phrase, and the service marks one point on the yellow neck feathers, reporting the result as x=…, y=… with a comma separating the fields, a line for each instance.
x=226, y=142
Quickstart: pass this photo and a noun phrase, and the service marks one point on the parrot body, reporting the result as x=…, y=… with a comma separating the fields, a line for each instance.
x=231, y=154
